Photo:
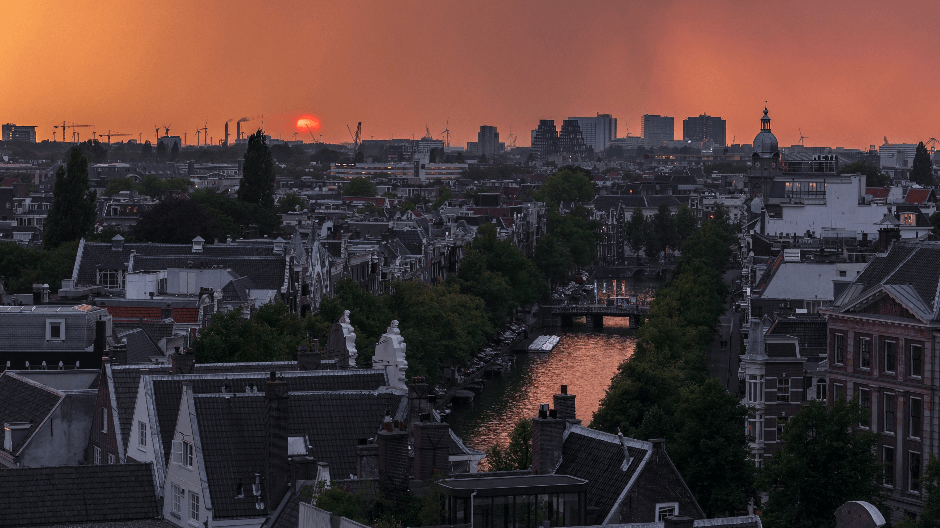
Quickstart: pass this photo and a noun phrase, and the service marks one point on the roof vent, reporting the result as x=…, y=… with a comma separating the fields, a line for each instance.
x=117, y=243
x=197, y=244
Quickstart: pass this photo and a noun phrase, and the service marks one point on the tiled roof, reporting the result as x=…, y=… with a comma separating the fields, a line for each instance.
x=140, y=347
x=877, y=192
x=153, y=313
x=237, y=290
x=598, y=458
x=917, y=196
x=77, y=494
x=156, y=329
x=24, y=400
x=411, y=238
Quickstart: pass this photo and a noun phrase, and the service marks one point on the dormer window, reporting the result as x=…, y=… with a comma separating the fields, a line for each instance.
x=55, y=329
x=197, y=244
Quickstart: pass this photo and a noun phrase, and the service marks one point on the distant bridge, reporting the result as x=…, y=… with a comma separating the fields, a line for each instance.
x=562, y=315
x=638, y=270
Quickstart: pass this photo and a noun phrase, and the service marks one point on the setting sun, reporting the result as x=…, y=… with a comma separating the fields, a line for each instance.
x=305, y=123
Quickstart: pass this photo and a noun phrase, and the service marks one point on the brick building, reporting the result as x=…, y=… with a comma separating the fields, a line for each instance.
x=882, y=345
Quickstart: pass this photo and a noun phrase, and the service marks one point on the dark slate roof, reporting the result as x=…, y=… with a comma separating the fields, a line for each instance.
x=810, y=330
x=256, y=260
x=231, y=432
x=126, y=379
x=237, y=290
x=598, y=458
x=156, y=330
x=140, y=347
x=333, y=247
x=76, y=494
x=606, y=202
x=746, y=521
x=168, y=389
x=781, y=350
x=140, y=523
x=412, y=240
x=24, y=400
x=908, y=271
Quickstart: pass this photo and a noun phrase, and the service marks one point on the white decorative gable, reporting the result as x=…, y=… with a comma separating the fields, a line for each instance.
x=390, y=356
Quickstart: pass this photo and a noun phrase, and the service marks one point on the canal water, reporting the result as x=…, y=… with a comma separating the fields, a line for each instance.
x=585, y=360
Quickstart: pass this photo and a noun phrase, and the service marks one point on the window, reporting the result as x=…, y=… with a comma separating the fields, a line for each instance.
x=916, y=413
x=755, y=388
x=890, y=356
x=142, y=434
x=781, y=425
x=821, y=389
x=193, y=506
x=783, y=389
x=864, y=400
x=104, y=420
x=838, y=391
x=890, y=410
x=97, y=456
x=111, y=459
x=917, y=368
x=177, y=499
x=183, y=453
x=913, y=480
x=838, y=341
x=666, y=509
x=755, y=428
x=864, y=352
x=888, y=461
x=55, y=329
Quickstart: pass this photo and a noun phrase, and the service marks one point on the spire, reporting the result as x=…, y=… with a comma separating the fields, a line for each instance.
x=765, y=121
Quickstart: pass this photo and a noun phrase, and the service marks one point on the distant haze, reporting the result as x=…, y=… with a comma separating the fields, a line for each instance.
x=846, y=74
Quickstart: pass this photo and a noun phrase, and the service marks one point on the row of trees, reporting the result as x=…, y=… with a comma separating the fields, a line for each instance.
x=659, y=233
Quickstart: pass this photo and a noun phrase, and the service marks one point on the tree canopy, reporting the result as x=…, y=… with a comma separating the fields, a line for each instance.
x=24, y=266
x=257, y=183
x=825, y=460
x=360, y=187
x=570, y=241
x=873, y=175
x=570, y=184
x=73, y=210
x=922, y=167
x=518, y=454
x=204, y=213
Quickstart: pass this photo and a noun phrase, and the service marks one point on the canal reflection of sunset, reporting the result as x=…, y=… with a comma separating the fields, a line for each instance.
x=585, y=362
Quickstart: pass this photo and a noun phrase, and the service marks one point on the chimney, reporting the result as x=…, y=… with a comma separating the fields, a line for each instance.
x=118, y=353
x=226, y=134
x=367, y=460
x=394, y=472
x=431, y=448
x=238, y=131
x=309, y=359
x=564, y=406
x=117, y=243
x=418, y=391
x=302, y=468
x=547, y=436
x=183, y=362
x=677, y=521
x=276, y=471
x=101, y=337
x=166, y=312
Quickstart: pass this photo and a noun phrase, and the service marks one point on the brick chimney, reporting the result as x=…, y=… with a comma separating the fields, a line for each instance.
x=183, y=361
x=394, y=472
x=276, y=471
x=308, y=359
x=101, y=337
x=564, y=406
x=431, y=448
x=547, y=436
x=418, y=391
x=367, y=460
x=118, y=353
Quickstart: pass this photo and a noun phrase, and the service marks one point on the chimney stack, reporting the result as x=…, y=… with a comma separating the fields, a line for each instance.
x=101, y=337
x=564, y=406
x=547, y=437
x=118, y=354
x=367, y=460
x=394, y=473
x=431, y=448
x=276, y=470
x=308, y=359
x=226, y=134
x=183, y=362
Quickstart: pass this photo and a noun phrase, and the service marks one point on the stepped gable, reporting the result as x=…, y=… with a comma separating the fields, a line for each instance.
x=25, y=400
x=599, y=458
x=77, y=494
x=140, y=347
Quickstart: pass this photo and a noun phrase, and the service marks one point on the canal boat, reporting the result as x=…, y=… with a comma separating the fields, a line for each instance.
x=544, y=343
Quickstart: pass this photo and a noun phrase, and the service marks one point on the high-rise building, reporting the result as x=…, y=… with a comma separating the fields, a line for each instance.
x=598, y=131
x=13, y=132
x=488, y=141
x=705, y=128
x=657, y=130
x=545, y=138
x=570, y=140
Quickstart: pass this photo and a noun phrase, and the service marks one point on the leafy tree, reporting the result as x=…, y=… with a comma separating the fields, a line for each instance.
x=161, y=149
x=518, y=454
x=664, y=228
x=685, y=223
x=459, y=158
x=360, y=157
x=94, y=151
x=340, y=502
x=157, y=187
x=175, y=151
x=325, y=156
x=553, y=258
x=930, y=517
x=173, y=221
x=360, y=187
x=935, y=222
x=24, y=266
x=146, y=150
x=922, y=167
x=442, y=197
x=825, y=461
x=281, y=153
x=257, y=183
x=288, y=203
x=636, y=231
x=570, y=184
x=873, y=175
x=116, y=185
x=73, y=210
x=270, y=334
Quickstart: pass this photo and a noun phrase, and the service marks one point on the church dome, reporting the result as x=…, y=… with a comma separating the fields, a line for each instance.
x=765, y=143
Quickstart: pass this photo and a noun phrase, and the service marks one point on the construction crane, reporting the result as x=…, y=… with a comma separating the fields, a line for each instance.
x=110, y=134
x=511, y=143
x=886, y=141
x=315, y=140
x=167, y=129
x=65, y=125
x=355, y=137
x=156, y=133
x=446, y=133
x=427, y=132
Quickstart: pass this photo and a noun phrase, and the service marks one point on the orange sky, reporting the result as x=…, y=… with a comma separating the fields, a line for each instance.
x=847, y=74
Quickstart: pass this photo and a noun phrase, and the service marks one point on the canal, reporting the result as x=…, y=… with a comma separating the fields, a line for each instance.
x=585, y=360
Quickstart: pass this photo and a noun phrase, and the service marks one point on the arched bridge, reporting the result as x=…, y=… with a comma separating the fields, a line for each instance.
x=562, y=315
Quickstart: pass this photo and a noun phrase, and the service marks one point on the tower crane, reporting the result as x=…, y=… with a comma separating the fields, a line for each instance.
x=446, y=133
x=315, y=140
x=511, y=143
x=110, y=134
x=167, y=129
x=65, y=125
x=355, y=137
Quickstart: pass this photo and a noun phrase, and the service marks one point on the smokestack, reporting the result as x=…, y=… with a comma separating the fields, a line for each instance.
x=101, y=337
x=238, y=131
x=276, y=470
x=226, y=134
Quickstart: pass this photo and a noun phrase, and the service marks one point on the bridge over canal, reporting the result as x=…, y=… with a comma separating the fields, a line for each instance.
x=563, y=315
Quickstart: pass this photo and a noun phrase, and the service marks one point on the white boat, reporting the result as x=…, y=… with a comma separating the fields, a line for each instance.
x=544, y=343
